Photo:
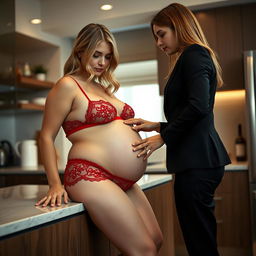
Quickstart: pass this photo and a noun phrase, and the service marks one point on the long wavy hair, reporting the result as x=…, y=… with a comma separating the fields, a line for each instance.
x=187, y=30
x=86, y=42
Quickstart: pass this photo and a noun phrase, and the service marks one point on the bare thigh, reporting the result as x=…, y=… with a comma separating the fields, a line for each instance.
x=114, y=213
x=144, y=208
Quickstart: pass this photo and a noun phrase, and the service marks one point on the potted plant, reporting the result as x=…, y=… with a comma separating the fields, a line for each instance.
x=40, y=72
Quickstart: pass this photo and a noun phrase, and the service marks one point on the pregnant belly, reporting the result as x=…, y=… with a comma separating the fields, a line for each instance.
x=110, y=145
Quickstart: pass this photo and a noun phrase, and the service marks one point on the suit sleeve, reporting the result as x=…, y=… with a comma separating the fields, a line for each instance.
x=197, y=69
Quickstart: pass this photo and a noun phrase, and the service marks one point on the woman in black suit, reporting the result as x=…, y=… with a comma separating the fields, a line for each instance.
x=195, y=152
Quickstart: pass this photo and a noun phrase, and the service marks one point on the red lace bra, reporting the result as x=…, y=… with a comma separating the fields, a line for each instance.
x=98, y=112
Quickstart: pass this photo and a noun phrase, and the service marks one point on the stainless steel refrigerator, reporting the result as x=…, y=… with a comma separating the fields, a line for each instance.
x=250, y=87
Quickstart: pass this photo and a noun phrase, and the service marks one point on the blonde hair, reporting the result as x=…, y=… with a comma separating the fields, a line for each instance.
x=86, y=42
x=187, y=30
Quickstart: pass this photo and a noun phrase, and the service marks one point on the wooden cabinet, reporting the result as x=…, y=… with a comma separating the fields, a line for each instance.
x=248, y=13
x=230, y=46
x=207, y=21
x=223, y=30
x=232, y=211
x=232, y=215
x=77, y=235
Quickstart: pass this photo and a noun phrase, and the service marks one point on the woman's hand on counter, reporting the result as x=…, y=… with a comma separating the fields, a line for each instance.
x=54, y=197
x=148, y=146
x=139, y=124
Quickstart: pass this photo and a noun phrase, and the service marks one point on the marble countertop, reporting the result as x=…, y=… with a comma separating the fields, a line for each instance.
x=18, y=213
x=151, y=168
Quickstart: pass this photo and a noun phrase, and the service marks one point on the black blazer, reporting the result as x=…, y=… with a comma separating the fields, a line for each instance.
x=189, y=133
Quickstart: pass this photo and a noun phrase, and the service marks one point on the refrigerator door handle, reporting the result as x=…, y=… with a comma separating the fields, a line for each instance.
x=251, y=113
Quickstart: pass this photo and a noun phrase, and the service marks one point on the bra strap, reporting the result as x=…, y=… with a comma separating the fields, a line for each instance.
x=80, y=87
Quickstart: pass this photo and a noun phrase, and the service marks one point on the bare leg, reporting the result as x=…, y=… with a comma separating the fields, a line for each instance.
x=115, y=214
x=144, y=208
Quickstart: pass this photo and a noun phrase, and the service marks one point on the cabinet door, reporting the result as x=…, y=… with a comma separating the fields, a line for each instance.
x=249, y=25
x=207, y=21
x=232, y=211
x=230, y=46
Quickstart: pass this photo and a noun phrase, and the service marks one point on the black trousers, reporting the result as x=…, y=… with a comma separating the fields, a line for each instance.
x=194, y=190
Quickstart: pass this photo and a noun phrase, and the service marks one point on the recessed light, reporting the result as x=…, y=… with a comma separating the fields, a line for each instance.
x=106, y=7
x=35, y=21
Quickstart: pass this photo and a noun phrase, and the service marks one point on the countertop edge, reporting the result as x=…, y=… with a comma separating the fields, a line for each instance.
x=155, y=168
x=27, y=223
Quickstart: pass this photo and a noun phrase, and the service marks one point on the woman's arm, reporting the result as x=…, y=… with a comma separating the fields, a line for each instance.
x=58, y=105
x=143, y=125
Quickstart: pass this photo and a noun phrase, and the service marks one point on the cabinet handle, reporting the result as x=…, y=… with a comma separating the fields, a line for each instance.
x=218, y=198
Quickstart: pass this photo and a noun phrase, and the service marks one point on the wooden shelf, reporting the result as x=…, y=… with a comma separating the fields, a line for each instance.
x=29, y=82
x=23, y=106
x=30, y=106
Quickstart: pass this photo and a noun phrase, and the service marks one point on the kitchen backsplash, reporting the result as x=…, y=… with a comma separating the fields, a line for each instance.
x=229, y=111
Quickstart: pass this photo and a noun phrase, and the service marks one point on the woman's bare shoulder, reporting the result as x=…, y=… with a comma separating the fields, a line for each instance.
x=65, y=83
x=65, y=87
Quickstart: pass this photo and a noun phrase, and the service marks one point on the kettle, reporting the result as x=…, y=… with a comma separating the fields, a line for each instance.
x=6, y=153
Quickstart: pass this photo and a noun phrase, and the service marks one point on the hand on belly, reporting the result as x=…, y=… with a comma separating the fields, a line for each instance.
x=110, y=146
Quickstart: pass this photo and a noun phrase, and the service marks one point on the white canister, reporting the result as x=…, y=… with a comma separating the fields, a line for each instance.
x=41, y=76
x=27, y=151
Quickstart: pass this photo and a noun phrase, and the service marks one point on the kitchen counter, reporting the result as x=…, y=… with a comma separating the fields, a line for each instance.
x=18, y=213
x=151, y=168
x=161, y=167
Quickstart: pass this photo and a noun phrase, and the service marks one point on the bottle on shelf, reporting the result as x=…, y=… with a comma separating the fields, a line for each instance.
x=27, y=70
x=240, y=145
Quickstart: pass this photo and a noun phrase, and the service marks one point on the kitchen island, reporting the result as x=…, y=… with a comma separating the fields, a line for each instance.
x=68, y=230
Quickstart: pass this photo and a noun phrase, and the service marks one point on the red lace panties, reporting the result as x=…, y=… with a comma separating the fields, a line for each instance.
x=80, y=169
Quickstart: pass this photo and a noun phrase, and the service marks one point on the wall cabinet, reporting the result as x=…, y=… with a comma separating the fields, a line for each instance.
x=249, y=24
x=223, y=30
x=232, y=215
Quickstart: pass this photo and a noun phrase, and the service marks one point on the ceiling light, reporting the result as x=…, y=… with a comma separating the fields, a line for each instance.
x=106, y=7
x=35, y=21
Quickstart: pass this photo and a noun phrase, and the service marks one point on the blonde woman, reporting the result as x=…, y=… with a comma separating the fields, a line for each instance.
x=195, y=152
x=101, y=171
